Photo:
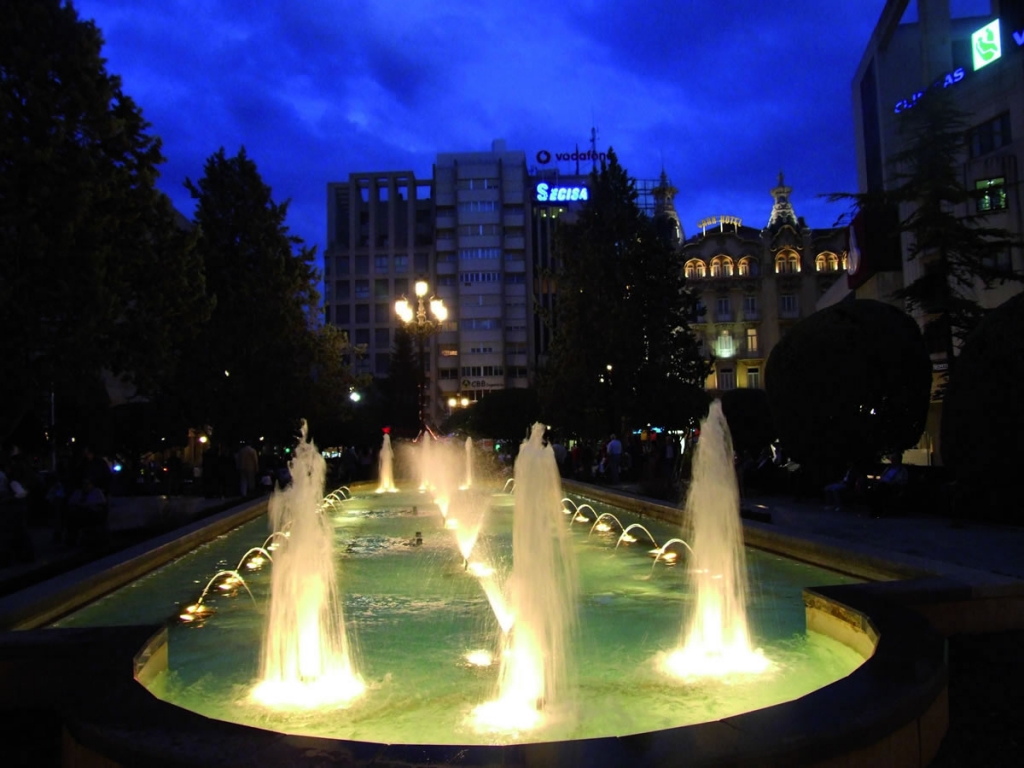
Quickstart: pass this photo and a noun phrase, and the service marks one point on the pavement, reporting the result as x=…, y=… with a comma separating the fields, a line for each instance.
x=131, y=519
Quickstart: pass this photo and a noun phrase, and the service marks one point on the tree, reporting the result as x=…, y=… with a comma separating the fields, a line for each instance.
x=943, y=223
x=403, y=384
x=621, y=341
x=982, y=418
x=251, y=368
x=95, y=271
x=849, y=383
x=750, y=420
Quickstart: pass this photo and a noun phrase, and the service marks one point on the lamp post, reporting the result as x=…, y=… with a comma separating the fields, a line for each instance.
x=422, y=325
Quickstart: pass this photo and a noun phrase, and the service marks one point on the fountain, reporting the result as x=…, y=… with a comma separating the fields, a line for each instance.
x=536, y=668
x=469, y=463
x=306, y=658
x=716, y=640
x=498, y=623
x=386, y=468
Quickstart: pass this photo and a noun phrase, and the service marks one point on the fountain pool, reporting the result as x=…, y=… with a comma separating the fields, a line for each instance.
x=421, y=624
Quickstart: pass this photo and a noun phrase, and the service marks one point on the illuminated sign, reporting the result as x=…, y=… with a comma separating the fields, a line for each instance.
x=948, y=79
x=547, y=193
x=721, y=221
x=986, y=45
x=482, y=384
x=544, y=157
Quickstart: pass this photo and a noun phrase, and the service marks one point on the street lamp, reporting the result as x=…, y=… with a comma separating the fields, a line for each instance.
x=422, y=325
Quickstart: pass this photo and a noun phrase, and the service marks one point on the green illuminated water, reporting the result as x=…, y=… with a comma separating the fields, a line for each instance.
x=413, y=612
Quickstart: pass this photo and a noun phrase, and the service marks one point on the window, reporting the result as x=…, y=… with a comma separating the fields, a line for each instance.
x=380, y=289
x=494, y=370
x=402, y=286
x=475, y=206
x=421, y=262
x=401, y=264
x=826, y=262
x=480, y=350
x=342, y=264
x=721, y=266
x=788, y=305
x=725, y=346
x=517, y=372
x=488, y=183
x=342, y=315
x=1001, y=261
x=362, y=289
x=363, y=315
x=787, y=262
x=448, y=373
x=362, y=335
x=471, y=370
x=695, y=269
x=362, y=265
x=341, y=290
x=991, y=135
x=991, y=194
x=727, y=379
x=381, y=338
x=750, y=307
x=446, y=280
x=381, y=313
x=723, y=308
x=382, y=363
x=480, y=253
x=480, y=277
x=516, y=347
x=753, y=378
x=514, y=277
x=751, y=339
x=380, y=265
x=479, y=230
x=748, y=267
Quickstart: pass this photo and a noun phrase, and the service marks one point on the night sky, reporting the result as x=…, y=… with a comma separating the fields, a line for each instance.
x=722, y=94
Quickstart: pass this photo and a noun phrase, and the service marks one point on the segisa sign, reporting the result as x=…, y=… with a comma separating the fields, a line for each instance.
x=544, y=157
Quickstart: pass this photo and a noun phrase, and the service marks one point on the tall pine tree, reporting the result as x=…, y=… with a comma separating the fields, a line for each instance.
x=251, y=369
x=622, y=351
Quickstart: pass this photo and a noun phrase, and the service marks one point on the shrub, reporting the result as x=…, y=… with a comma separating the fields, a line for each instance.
x=982, y=417
x=849, y=383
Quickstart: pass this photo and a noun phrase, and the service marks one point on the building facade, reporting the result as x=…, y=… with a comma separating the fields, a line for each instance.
x=756, y=283
x=978, y=60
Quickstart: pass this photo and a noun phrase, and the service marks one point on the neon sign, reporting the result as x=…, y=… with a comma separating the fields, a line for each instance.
x=948, y=79
x=986, y=45
x=721, y=221
x=549, y=194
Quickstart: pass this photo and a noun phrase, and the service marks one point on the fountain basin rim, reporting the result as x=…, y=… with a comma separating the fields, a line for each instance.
x=899, y=690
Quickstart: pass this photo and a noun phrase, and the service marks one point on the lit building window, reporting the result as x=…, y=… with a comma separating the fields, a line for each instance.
x=991, y=194
x=753, y=378
x=787, y=262
x=695, y=268
x=751, y=339
x=747, y=267
x=727, y=379
x=725, y=346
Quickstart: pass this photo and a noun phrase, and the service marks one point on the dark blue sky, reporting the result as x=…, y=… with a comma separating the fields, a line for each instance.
x=721, y=93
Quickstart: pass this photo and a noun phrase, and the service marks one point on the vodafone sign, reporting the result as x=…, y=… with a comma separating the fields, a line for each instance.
x=544, y=156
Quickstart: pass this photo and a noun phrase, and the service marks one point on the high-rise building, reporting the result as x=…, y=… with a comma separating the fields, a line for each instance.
x=977, y=58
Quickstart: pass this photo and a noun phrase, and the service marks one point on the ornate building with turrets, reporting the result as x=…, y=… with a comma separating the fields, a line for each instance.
x=754, y=284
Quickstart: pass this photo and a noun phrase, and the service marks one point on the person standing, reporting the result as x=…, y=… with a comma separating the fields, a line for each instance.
x=247, y=462
x=613, y=453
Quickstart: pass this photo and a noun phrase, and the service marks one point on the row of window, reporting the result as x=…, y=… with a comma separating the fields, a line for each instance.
x=484, y=183
x=787, y=262
x=789, y=306
x=468, y=278
x=483, y=370
x=727, y=378
x=342, y=265
x=478, y=206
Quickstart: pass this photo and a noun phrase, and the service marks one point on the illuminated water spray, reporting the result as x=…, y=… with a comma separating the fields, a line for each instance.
x=716, y=640
x=542, y=589
x=306, y=659
x=386, y=467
